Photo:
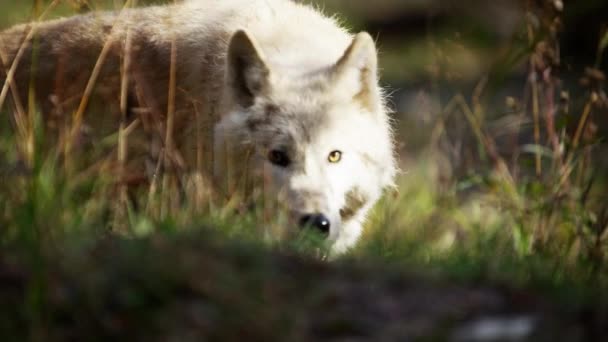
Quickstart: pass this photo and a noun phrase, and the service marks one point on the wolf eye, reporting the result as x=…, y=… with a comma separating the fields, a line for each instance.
x=279, y=158
x=334, y=157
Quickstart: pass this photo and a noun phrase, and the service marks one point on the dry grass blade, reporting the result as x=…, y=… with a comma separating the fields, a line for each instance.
x=20, y=115
x=123, y=131
x=583, y=121
x=536, y=117
x=10, y=75
x=78, y=115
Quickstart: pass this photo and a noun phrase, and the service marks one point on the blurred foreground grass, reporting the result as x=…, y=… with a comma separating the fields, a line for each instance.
x=430, y=263
x=515, y=232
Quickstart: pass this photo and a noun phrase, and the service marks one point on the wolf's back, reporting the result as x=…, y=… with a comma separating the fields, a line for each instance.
x=62, y=53
x=55, y=59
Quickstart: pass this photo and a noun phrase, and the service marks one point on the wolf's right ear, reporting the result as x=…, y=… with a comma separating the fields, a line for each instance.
x=248, y=75
x=359, y=63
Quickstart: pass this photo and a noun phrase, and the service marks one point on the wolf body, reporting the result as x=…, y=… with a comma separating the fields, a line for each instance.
x=267, y=87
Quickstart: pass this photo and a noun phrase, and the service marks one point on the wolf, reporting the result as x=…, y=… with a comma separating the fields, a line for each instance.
x=269, y=88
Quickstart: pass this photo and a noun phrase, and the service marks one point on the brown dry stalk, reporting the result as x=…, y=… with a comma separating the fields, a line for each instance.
x=476, y=98
x=10, y=75
x=154, y=184
x=169, y=148
x=77, y=118
x=199, y=140
x=122, y=132
x=550, y=118
x=536, y=117
x=582, y=122
x=569, y=164
x=171, y=99
x=20, y=115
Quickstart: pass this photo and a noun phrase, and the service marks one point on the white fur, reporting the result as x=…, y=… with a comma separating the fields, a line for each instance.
x=291, y=79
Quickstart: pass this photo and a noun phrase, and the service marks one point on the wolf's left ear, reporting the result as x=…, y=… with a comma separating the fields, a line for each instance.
x=247, y=74
x=358, y=68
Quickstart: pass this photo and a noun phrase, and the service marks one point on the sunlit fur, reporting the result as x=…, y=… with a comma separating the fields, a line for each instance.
x=262, y=74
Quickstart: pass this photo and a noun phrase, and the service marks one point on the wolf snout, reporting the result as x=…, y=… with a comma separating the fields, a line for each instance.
x=316, y=221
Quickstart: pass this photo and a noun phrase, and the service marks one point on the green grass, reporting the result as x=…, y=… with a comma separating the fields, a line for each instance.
x=79, y=260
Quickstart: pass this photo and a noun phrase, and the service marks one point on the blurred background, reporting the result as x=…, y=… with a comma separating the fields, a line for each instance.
x=501, y=120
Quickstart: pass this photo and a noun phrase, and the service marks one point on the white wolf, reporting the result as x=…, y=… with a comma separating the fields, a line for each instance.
x=277, y=88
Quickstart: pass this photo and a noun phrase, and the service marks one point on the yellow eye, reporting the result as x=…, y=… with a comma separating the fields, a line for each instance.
x=334, y=157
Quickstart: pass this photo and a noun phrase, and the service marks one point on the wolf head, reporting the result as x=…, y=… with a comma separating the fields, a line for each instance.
x=321, y=137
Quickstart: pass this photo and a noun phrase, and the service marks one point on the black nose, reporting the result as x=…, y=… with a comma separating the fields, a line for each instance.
x=318, y=221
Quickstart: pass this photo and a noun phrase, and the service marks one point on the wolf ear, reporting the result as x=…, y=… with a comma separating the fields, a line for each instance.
x=247, y=73
x=358, y=68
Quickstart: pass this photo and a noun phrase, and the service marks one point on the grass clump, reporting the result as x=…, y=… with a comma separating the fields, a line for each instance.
x=508, y=201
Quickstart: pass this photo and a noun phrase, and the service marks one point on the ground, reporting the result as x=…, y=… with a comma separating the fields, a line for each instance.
x=195, y=286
